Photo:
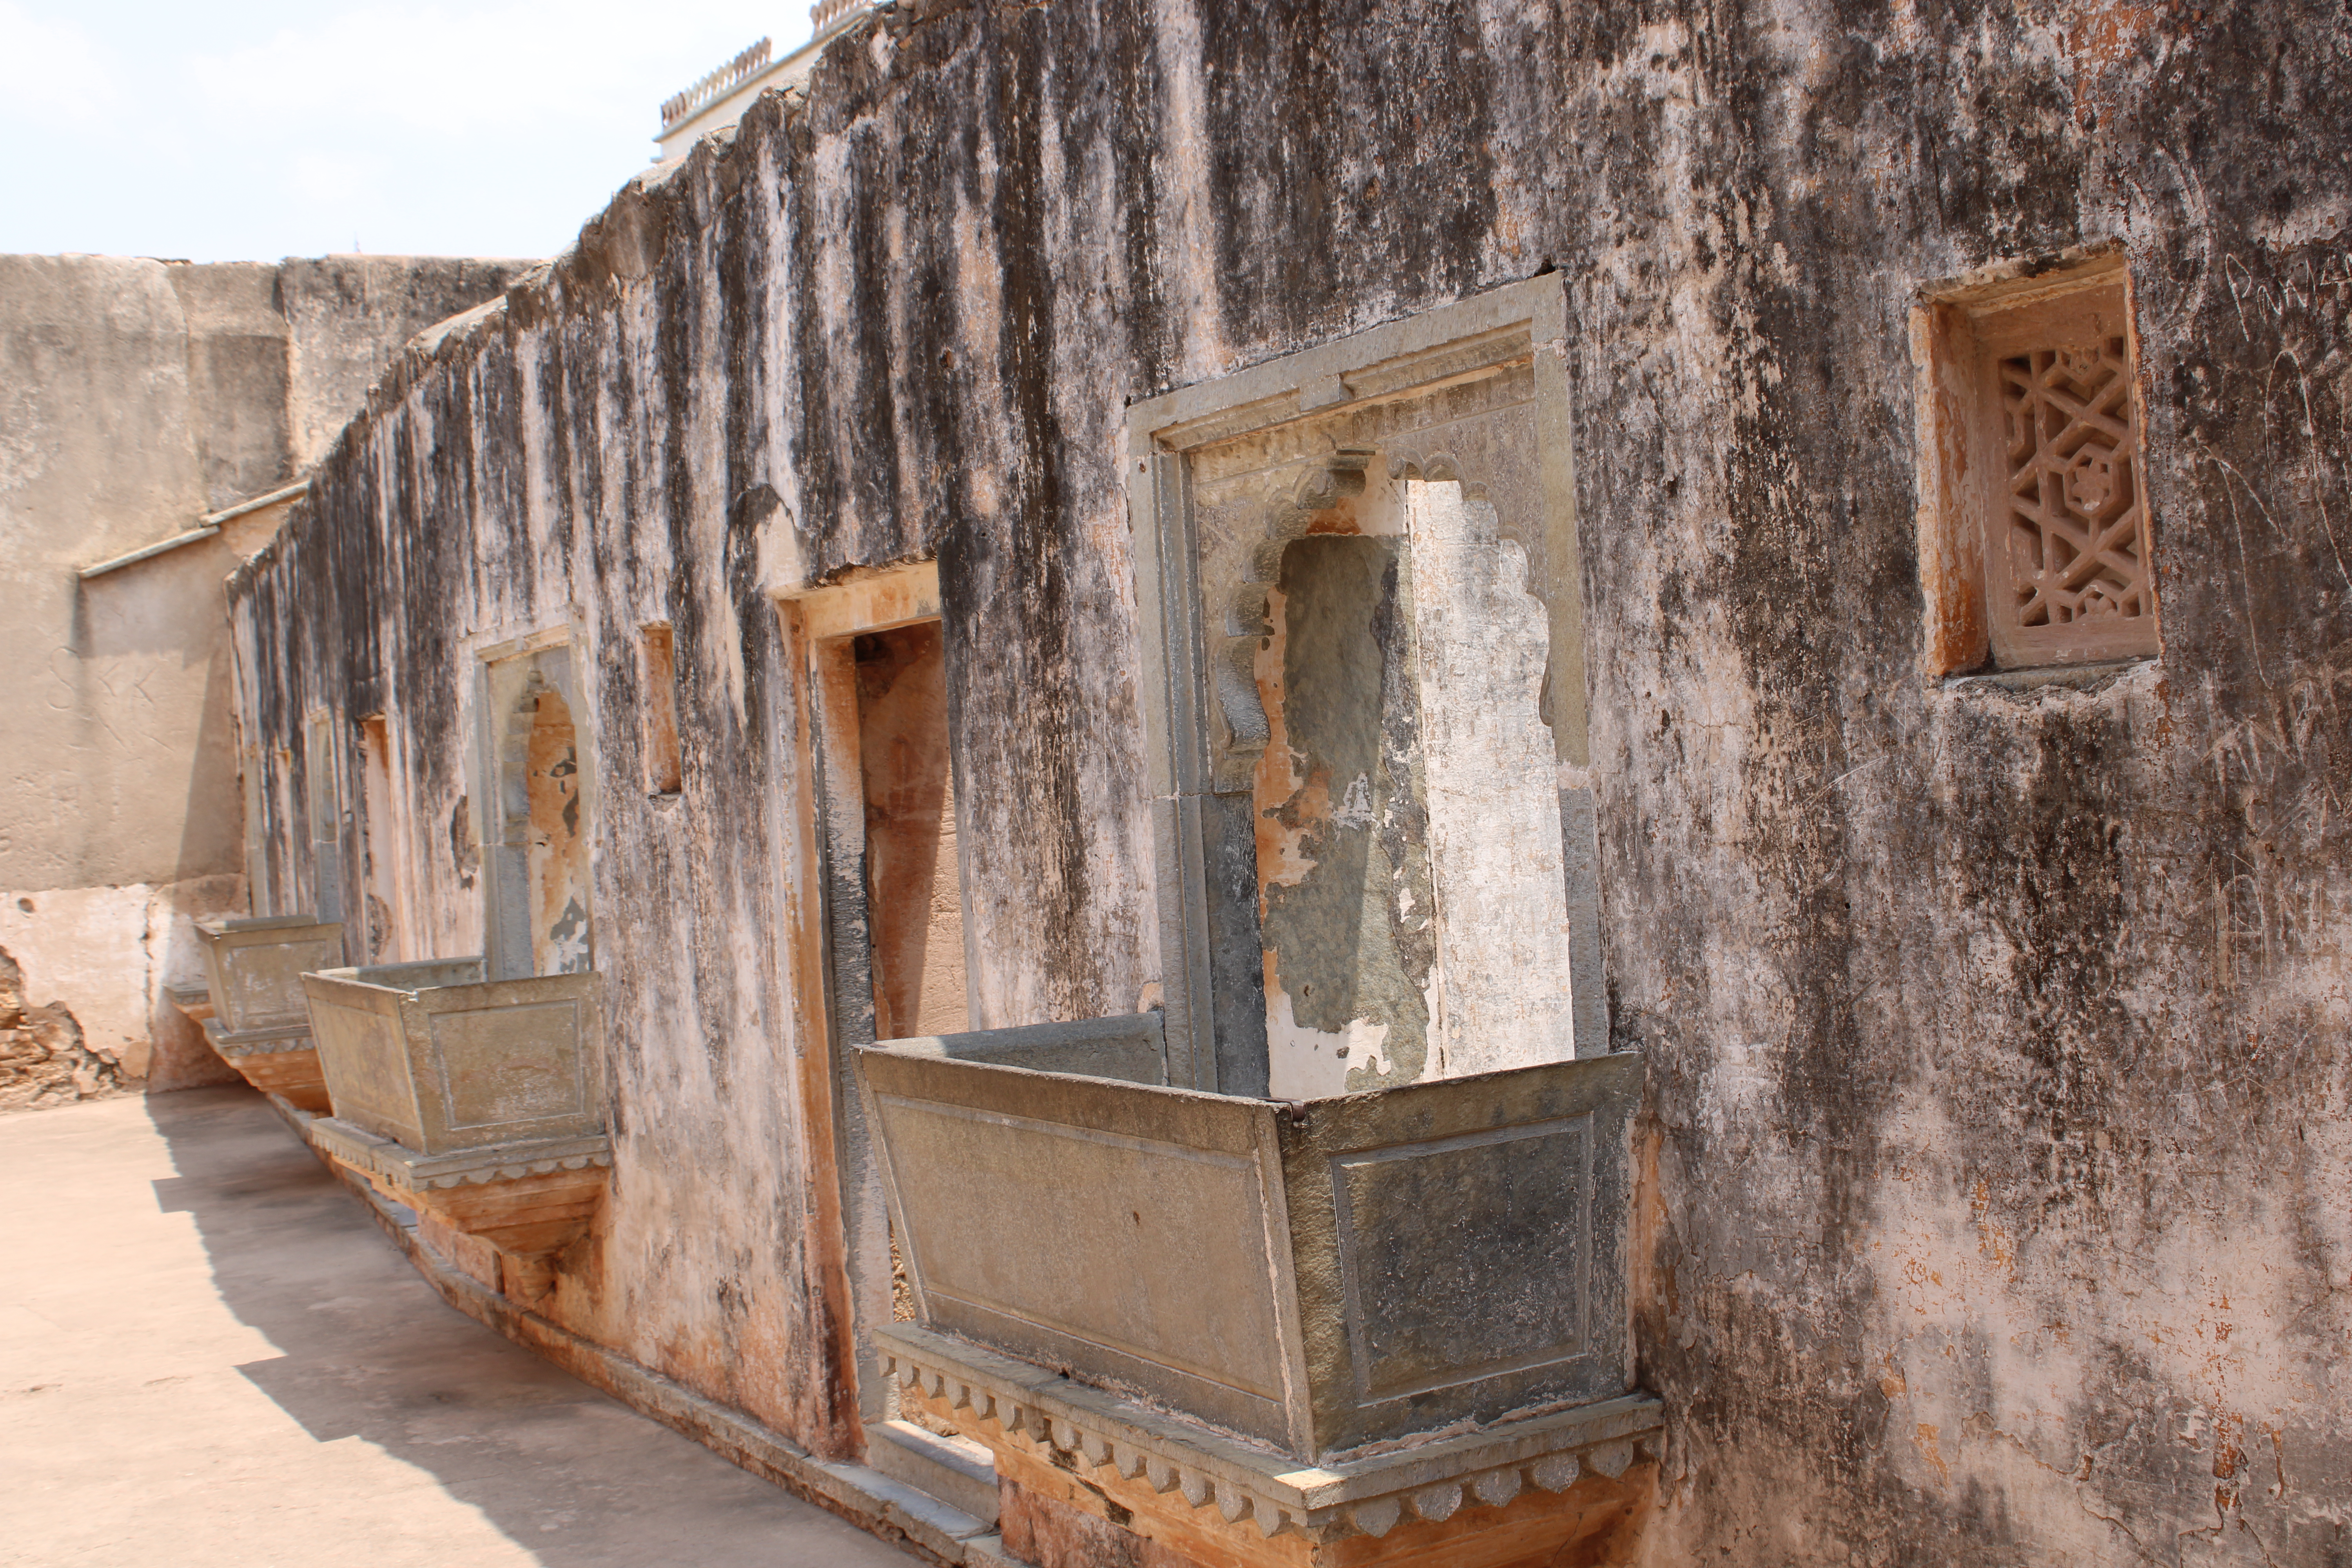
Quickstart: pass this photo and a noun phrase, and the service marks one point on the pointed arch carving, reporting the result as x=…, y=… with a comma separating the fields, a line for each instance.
x=517, y=680
x=1230, y=475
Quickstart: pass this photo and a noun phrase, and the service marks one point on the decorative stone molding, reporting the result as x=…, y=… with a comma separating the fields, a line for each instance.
x=991, y=1396
x=528, y=1199
x=236, y=1047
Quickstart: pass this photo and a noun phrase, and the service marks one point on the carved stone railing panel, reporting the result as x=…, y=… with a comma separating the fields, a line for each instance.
x=715, y=85
x=438, y=1060
x=258, y=1021
x=1319, y=1277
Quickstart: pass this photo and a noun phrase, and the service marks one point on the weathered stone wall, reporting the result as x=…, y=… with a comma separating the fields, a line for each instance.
x=135, y=396
x=1997, y=1034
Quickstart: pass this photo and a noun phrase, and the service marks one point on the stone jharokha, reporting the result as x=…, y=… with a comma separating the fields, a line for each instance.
x=480, y=1103
x=1173, y=784
x=256, y=1018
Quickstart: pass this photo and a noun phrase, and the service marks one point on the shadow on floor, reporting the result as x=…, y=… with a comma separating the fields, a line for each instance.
x=369, y=1350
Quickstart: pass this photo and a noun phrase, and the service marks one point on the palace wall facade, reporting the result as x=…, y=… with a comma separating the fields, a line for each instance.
x=1996, y=1121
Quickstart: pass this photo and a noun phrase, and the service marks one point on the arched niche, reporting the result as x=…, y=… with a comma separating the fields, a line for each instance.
x=1388, y=873
x=538, y=850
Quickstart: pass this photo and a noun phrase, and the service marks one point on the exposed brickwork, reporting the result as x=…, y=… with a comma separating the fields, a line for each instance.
x=42, y=1058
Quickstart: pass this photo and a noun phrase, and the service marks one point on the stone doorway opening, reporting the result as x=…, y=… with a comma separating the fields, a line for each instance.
x=882, y=940
x=914, y=891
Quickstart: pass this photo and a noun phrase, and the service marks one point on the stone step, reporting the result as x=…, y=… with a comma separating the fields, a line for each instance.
x=956, y=1470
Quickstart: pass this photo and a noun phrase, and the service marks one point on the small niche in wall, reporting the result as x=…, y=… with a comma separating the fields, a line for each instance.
x=657, y=667
x=2035, y=546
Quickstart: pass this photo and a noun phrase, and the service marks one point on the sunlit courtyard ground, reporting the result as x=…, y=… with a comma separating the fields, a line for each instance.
x=210, y=1354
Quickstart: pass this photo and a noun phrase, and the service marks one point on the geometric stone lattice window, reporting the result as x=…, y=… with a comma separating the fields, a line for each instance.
x=2035, y=423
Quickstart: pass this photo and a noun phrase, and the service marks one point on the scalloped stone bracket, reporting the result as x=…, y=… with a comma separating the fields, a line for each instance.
x=530, y=1200
x=1188, y=1485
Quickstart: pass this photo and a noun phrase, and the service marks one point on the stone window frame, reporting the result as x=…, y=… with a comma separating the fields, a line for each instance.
x=1204, y=850
x=506, y=672
x=1955, y=325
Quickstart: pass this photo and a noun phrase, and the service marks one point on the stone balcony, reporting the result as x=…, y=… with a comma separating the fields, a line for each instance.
x=1360, y=1328
x=254, y=1012
x=478, y=1103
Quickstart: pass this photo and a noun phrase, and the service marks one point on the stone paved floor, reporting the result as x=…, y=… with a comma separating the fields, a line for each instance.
x=210, y=1357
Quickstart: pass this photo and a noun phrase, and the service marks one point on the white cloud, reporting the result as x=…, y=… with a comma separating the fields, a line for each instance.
x=54, y=70
x=499, y=68
x=269, y=127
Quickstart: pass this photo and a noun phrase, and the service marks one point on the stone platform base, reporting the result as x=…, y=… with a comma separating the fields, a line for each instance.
x=528, y=1201
x=1088, y=1478
x=1084, y=1515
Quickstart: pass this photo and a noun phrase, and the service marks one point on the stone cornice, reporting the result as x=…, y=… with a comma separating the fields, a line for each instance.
x=366, y=1153
x=255, y=1042
x=1367, y=1493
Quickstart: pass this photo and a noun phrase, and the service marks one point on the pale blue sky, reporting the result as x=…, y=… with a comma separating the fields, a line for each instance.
x=257, y=129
